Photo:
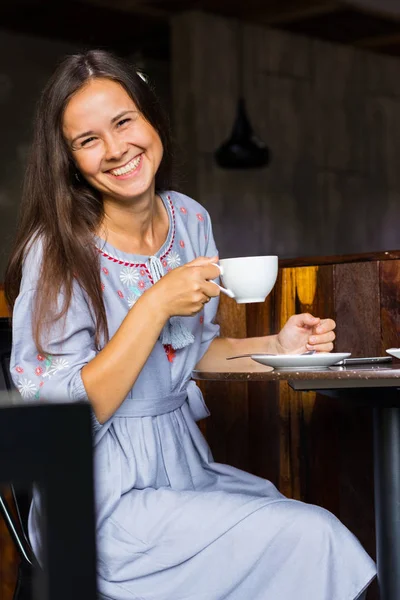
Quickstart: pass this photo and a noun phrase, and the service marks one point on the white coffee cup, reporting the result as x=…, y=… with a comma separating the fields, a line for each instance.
x=248, y=278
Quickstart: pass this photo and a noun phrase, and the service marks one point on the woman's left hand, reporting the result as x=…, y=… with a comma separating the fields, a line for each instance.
x=305, y=332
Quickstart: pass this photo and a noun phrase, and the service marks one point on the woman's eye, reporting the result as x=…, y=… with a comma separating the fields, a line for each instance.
x=123, y=122
x=88, y=141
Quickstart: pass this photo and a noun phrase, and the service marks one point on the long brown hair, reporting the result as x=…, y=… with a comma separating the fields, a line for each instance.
x=64, y=211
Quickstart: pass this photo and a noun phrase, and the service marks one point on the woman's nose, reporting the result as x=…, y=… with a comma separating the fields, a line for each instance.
x=115, y=148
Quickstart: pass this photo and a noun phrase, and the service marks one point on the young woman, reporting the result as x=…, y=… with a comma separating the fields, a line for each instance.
x=111, y=284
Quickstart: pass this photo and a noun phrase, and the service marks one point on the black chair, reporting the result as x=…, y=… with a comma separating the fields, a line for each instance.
x=16, y=520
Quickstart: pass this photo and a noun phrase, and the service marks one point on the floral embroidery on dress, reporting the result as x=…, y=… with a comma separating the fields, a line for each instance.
x=129, y=276
x=120, y=294
x=170, y=352
x=182, y=244
x=105, y=270
x=54, y=365
x=26, y=388
x=173, y=260
x=51, y=366
x=183, y=210
x=200, y=217
x=201, y=319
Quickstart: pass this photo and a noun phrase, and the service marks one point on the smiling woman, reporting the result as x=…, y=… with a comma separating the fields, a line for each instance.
x=63, y=206
x=112, y=288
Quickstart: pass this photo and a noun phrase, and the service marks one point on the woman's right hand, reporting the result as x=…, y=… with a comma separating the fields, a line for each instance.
x=184, y=290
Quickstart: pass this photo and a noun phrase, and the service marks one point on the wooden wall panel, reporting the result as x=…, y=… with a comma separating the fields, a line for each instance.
x=4, y=312
x=289, y=401
x=9, y=561
x=303, y=289
x=389, y=272
x=357, y=303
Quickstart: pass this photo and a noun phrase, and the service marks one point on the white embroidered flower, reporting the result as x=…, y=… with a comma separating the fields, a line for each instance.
x=26, y=388
x=129, y=276
x=173, y=260
x=59, y=364
x=54, y=365
x=132, y=299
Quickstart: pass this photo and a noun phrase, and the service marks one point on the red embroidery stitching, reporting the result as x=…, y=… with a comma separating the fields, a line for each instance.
x=170, y=352
x=129, y=264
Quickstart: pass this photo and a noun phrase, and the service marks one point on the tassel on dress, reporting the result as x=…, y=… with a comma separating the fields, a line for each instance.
x=174, y=333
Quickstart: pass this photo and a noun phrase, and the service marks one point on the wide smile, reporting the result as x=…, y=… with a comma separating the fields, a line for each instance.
x=130, y=169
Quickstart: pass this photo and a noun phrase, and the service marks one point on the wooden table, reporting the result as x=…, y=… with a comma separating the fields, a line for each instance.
x=376, y=385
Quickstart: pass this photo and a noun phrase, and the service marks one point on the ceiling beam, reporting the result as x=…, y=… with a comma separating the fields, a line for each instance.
x=132, y=7
x=293, y=10
x=270, y=12
x=383, y=8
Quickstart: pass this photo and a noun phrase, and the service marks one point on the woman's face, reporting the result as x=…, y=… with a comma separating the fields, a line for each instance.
x=115, y=149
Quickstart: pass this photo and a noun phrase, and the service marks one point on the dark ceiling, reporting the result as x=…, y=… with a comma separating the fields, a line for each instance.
x=129, y=25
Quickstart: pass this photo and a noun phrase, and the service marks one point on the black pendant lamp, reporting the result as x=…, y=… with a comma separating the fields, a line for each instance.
x=243, y=150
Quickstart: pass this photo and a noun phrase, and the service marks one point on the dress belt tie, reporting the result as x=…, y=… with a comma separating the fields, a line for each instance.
x=151, y=407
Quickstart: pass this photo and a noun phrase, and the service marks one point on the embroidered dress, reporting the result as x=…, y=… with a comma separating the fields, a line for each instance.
x=171, y=523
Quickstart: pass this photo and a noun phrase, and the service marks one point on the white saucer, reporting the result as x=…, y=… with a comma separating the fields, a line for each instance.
x=294, y=362
x=394, y=352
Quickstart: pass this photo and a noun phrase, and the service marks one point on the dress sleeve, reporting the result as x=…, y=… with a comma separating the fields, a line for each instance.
x=211, y=329
x=56, y=375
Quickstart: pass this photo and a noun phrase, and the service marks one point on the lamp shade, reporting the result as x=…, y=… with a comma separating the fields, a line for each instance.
x=243, y=150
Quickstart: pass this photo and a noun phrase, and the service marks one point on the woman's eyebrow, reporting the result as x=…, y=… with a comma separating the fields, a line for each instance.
x=122, y=114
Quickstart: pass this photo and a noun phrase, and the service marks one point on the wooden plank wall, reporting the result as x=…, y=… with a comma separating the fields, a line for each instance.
x=8, y=563
x=330, y=115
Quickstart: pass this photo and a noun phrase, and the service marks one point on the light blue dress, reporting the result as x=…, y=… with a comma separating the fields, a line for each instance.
x=171, y=523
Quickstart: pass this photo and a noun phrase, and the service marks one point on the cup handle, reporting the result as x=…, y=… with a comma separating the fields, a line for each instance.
x=223, y=290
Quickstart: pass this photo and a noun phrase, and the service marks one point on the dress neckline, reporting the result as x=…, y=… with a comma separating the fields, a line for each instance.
x=135, y=260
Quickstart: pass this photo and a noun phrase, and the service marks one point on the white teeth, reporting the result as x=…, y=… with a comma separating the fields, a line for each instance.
x=133, y=164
